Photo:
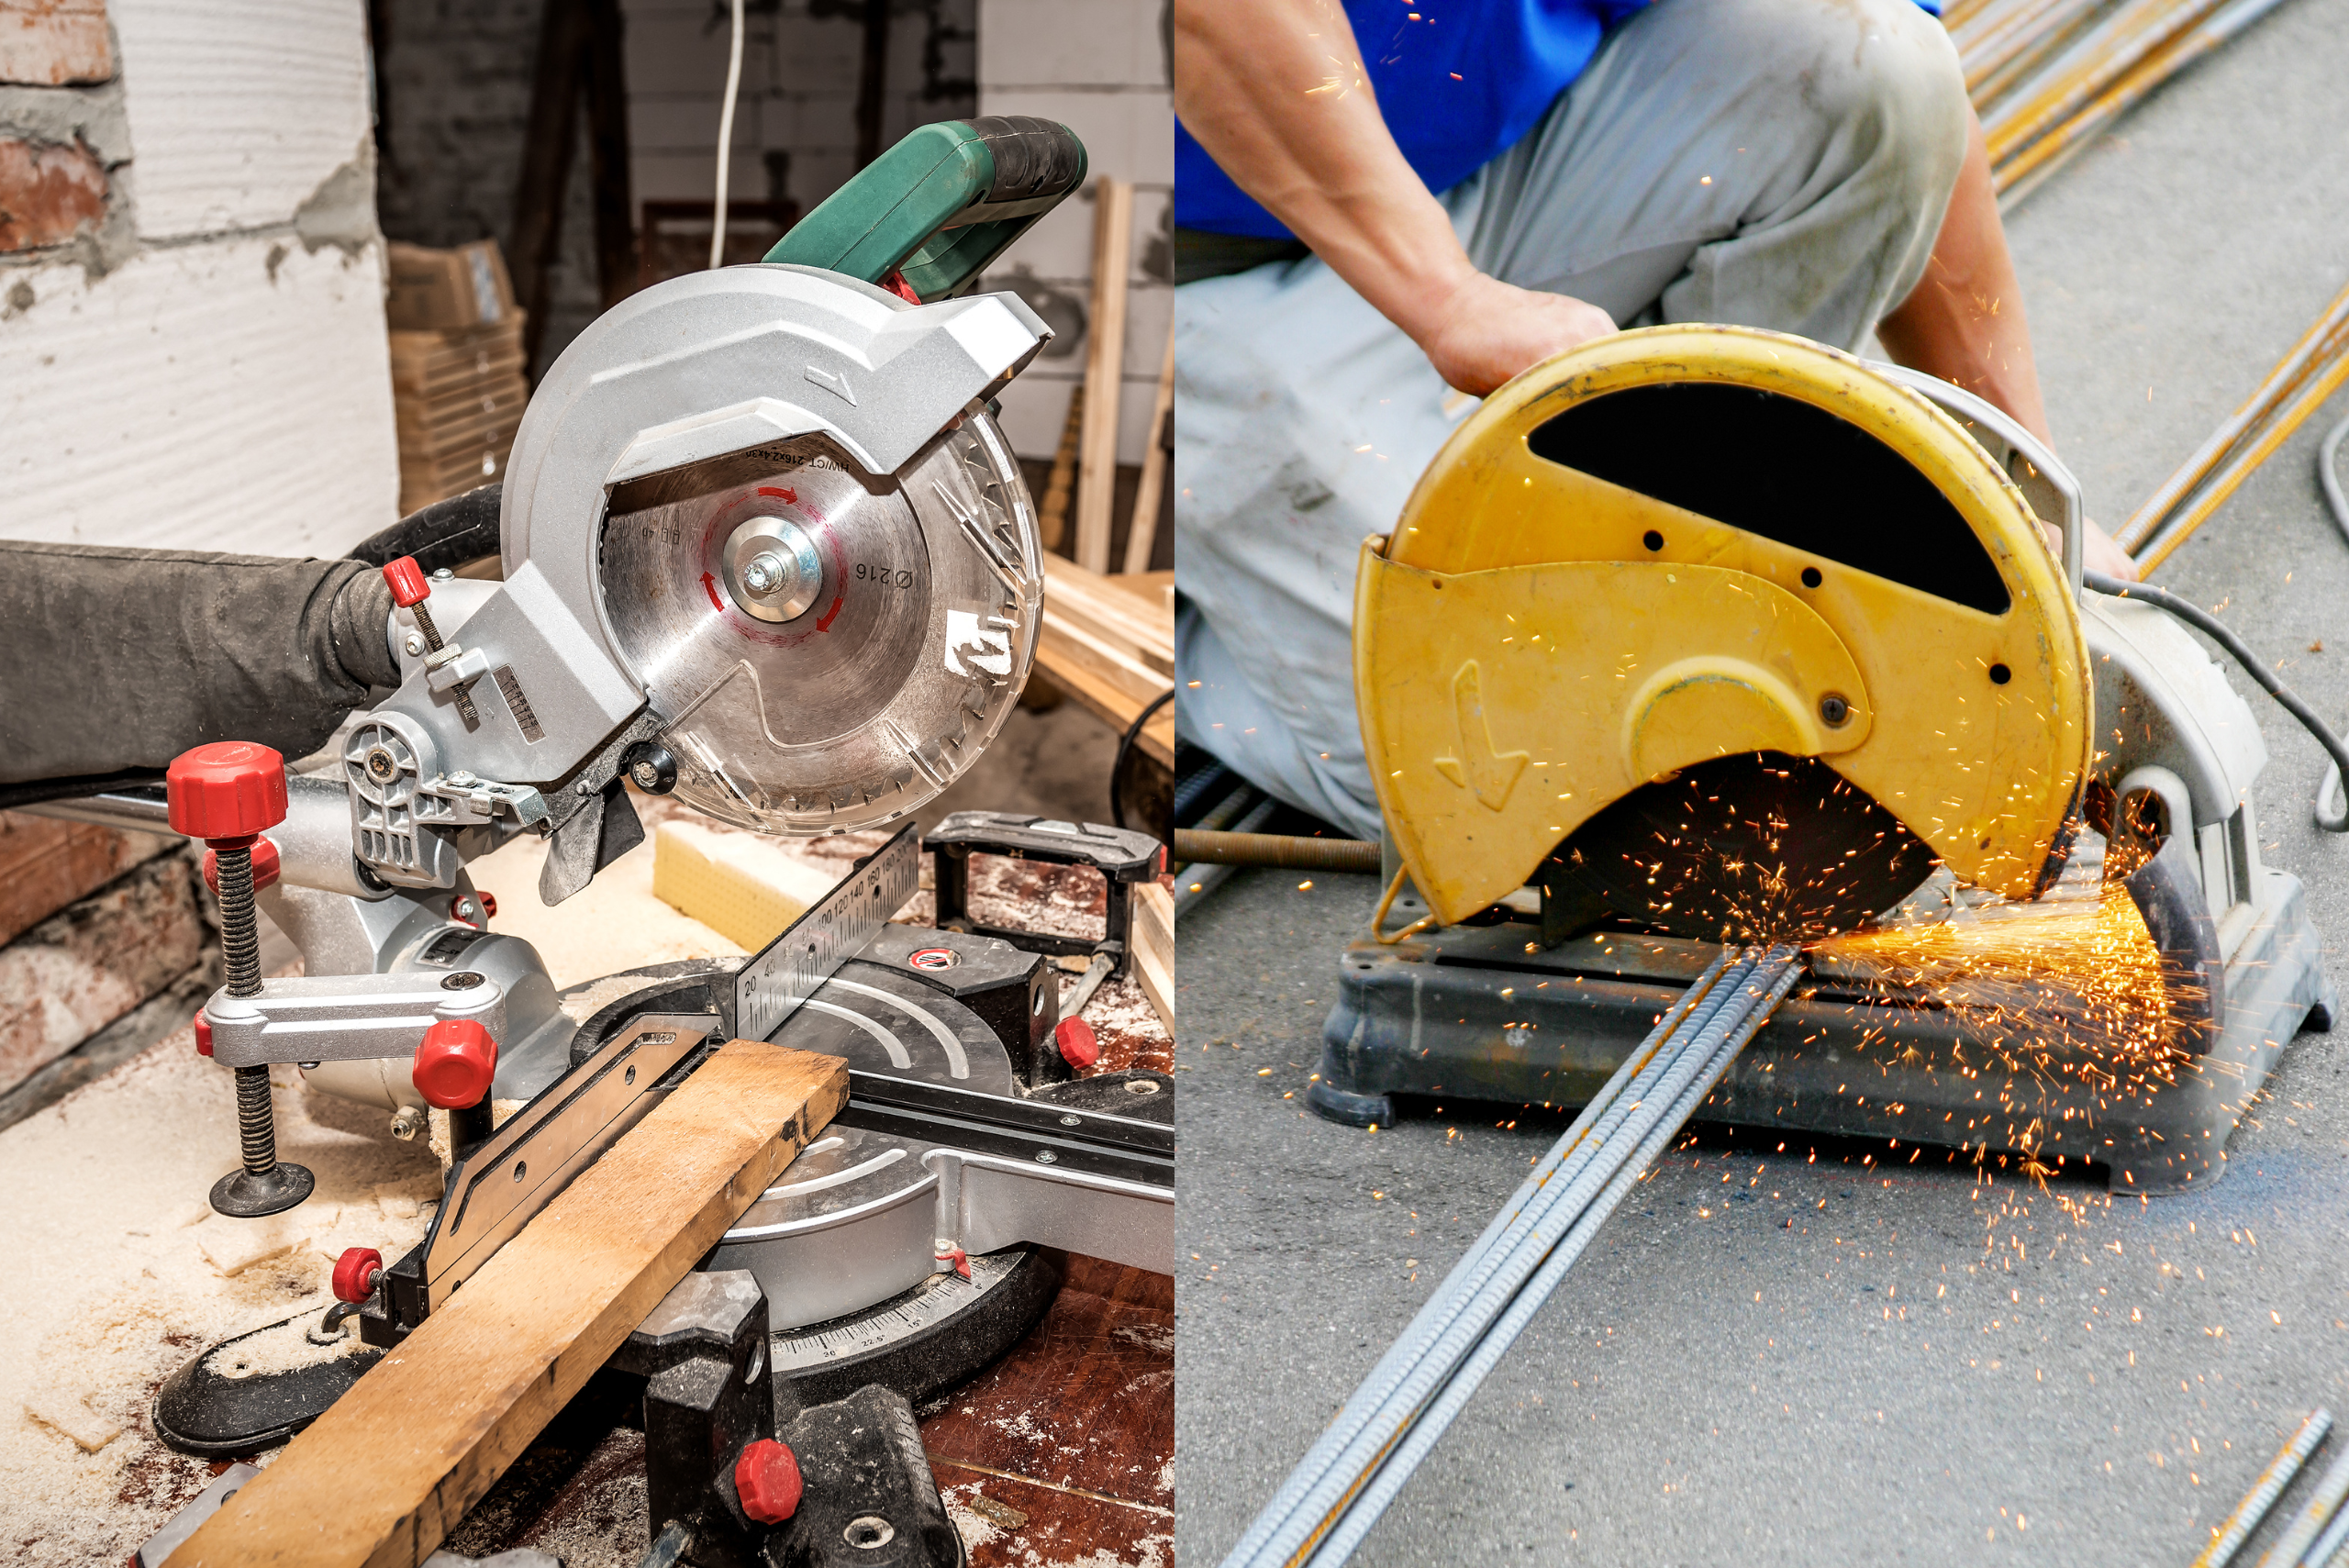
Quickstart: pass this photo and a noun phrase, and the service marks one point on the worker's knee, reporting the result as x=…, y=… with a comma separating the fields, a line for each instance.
x=1882, y=79
x=1846, y=85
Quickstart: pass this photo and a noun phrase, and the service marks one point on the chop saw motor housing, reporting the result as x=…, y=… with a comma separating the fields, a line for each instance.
x=1705, y=634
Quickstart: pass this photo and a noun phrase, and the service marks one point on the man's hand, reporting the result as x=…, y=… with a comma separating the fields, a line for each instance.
x=1488, y=331
x=2099, y=554
x=1274, y=90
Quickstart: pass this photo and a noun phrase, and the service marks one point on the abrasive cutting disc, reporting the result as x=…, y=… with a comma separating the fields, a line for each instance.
x=830, y=648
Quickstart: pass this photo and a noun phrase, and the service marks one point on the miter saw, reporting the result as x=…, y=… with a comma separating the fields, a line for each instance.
x=761, y=547
x=1701, y=635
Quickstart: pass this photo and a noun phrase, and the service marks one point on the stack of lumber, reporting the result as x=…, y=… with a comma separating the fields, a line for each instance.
x=1110, y=643
x=457, y=368
x=2047, y=75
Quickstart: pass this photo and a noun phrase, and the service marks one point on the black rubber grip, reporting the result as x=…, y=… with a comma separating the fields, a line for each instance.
x=1032, y=157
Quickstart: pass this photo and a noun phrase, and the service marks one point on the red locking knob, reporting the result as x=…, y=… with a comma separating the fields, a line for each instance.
x=203, y=1034
x=354, y=1273
x=226, y=794
x=767, y=1480
x=1079, y=1047
x=406, y=579
x=266, y=865
x=455, y=1064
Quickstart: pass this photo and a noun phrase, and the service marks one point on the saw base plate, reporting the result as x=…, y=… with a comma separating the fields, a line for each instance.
x=1469, y=1013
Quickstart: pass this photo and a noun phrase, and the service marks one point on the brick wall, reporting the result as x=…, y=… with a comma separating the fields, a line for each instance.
x=456, y=78
x=191, y=288
x=1100, y=67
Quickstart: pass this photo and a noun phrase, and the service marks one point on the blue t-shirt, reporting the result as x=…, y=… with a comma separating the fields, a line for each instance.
x=1460, y=82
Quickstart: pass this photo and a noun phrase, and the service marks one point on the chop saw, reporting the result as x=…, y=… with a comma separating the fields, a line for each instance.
x=1705, y=635
x=761, y=546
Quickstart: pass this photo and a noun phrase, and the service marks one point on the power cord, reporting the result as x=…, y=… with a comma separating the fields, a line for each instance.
x=2327, y=476
x=2331, y=812
x=1125, y=745
x=726, y=142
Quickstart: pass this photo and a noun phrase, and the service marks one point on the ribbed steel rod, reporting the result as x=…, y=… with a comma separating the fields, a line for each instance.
x=2292, y=1548
x=2253, y=1509
x=2027, y=166
x=1431, y=1424
x=1515, y=1257
x=1289, y=850
x=1427, y=1322
x=2298, y=362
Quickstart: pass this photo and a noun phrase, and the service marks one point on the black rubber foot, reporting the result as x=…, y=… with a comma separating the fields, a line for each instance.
x=1349, y=1110
x=215, y=1408
x=240, y=1195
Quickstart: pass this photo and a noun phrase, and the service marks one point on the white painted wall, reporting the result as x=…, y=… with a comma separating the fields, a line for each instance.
x=1099, y=67
x=227, y=385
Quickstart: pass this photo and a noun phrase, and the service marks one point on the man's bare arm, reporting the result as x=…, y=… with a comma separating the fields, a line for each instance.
x=1964, y=322
x=1275, y=92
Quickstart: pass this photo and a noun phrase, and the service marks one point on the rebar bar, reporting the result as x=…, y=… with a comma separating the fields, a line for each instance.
x=2304, y=359
x=1317, y=1515
x=1287, y=851
x=2253, y=1509
x=1431, y=1424
x=2292, y=1548
x=1409, y=1345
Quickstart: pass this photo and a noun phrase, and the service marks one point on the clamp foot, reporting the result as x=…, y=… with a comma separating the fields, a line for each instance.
x=253, y=1195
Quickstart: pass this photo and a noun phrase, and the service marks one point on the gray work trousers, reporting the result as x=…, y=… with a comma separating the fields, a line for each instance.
x=1778, y=164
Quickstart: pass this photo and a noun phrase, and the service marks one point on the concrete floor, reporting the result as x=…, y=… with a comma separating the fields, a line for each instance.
x=1934, y=1370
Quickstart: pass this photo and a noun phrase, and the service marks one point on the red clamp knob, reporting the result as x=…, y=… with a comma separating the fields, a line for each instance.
x=266, y=865
x=227, y=793
x=355, y=1272
x=405, y=579
x=1078, y=1045
x=203, y=1033
x=455, y=1064
x=767, y=1480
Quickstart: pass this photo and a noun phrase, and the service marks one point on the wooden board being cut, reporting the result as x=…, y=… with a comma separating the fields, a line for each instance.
x=387, y=1472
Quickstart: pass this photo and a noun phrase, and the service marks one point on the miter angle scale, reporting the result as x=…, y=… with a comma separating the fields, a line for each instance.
x=1702, y=635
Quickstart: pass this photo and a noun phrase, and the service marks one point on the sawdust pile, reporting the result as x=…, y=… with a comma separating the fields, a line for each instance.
x=118, y=1272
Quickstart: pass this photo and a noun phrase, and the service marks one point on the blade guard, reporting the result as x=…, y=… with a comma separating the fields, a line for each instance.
x=1533, y=643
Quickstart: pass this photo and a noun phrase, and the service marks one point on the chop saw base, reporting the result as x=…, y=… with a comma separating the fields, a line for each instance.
x=1469, y=1013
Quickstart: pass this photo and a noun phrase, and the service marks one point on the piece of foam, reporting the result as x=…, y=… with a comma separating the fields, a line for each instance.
x=736, y=883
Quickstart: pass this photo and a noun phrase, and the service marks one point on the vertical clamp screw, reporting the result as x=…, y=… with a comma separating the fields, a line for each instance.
x=227, y=795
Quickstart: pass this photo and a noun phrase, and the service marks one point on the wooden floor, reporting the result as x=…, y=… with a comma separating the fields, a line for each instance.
x=1065, y=1448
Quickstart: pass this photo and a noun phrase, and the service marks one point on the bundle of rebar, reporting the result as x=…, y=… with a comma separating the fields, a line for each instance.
x=2310, y=374
x=1334, y=1498
x=2047, y=76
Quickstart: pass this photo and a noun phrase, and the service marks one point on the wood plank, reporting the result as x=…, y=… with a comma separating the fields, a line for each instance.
x=1137, y=629
x=1051, y=518
x=386, y=1473
x=1154, y=963
x=1096, y=473
x=1070, y=643
x=1141, y=528
x=1108, y=704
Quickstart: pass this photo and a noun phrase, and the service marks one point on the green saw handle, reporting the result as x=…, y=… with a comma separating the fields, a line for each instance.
x=941, y=205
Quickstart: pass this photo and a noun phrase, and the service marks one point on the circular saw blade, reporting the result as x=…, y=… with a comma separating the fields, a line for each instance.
x=918, y=623
x=1744, y=848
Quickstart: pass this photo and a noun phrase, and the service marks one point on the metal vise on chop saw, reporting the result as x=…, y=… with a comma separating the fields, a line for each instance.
x=761, y=547
x=1703, y=635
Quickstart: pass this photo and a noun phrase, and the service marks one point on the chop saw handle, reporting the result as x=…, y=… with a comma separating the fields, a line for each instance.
x=941, y=205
